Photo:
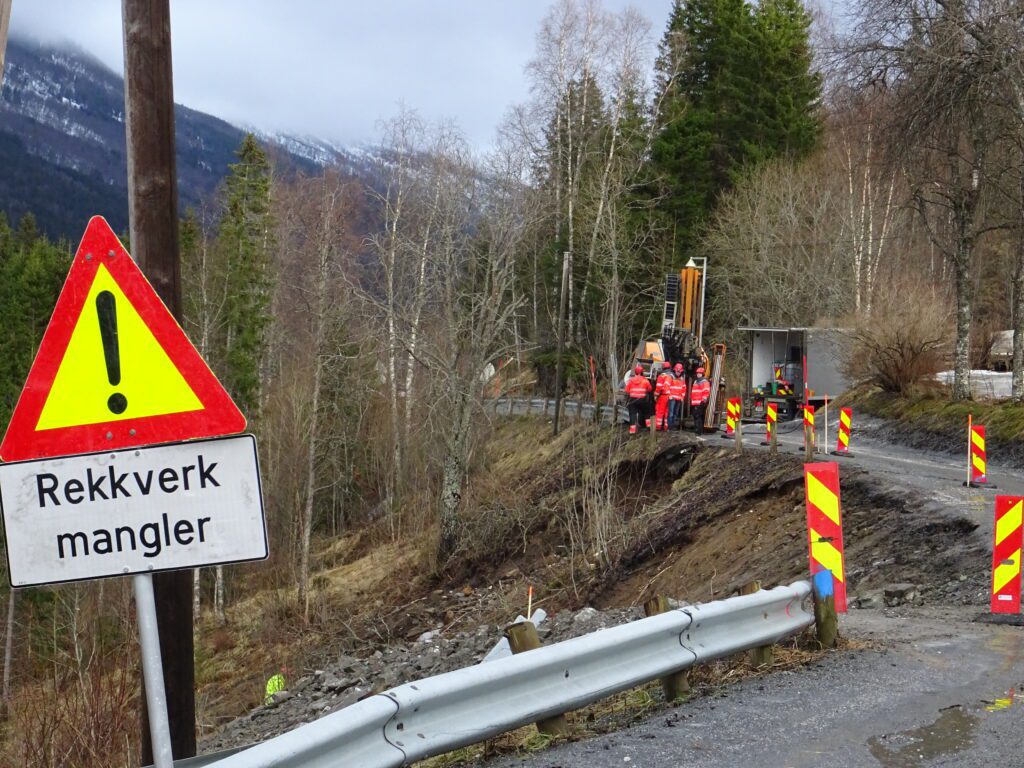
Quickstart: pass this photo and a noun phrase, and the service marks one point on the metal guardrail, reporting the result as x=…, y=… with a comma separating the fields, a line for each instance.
x=442, y=713
x=514, y=406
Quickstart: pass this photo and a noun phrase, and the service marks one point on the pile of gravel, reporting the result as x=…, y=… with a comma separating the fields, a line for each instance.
x=347, y=679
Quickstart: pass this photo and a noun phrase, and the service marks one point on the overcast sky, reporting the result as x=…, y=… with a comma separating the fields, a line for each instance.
x=330, y=68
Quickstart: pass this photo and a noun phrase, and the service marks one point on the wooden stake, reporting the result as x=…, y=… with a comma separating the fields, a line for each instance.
x=773, y=447
x=826, y=622
x=808, y=442
x=764, y=655
x=153, y=217
x=738, y=435
x=522, y=637
x=677, y=685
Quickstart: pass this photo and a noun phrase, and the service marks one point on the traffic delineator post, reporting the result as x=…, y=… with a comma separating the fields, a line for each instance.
x=771, y=420
x=977, y=458
x=1008, y=540
x=845, y=424
x=825, y=525
x=809, y=431
x=732, y=417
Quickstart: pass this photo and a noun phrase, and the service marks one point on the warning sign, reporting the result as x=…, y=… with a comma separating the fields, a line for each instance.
x=114, y=369
x=184, y=505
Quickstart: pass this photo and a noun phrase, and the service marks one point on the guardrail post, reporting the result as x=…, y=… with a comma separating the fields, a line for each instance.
x=676, y=685
x=522, y=636
x=763, y=655
x=738, y=435
x=826, y=623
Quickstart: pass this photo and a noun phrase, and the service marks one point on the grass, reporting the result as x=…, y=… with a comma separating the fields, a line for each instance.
x=936, y=413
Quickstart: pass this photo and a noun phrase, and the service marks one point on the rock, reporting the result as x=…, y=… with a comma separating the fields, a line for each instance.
x=278, y=698
x=427, y=637
x=900, y=594
x=869, y=600
x=585, y=615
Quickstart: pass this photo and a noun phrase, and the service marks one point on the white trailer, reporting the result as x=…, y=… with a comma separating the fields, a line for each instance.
x=783, y=362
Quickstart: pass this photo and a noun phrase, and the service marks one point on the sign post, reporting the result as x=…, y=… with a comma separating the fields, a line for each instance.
x=107, y=471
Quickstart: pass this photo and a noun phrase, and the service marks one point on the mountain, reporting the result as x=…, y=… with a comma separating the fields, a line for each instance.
x=62, y=143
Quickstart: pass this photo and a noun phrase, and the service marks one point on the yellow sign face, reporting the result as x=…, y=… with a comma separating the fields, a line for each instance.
x=103, y=377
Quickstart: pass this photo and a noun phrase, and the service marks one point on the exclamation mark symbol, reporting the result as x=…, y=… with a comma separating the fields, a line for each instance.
x=106, y=309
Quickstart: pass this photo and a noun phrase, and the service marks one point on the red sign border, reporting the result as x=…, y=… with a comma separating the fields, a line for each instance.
x=218, y=417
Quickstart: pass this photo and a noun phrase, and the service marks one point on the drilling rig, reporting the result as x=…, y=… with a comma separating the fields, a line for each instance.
x=681, y=337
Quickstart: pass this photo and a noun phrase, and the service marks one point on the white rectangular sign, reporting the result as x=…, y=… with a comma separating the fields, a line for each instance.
x=133, y=511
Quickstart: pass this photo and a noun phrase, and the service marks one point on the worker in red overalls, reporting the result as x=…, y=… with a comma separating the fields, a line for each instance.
x=661, y=396
x=676, y=395
x=700, y=393
x=637, y=389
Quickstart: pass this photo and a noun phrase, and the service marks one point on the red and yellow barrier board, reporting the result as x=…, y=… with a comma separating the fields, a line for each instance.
x=845, y=421
x=1006, y=552
x=732, y=415
x=978, y=461
x=809, y=416
x=771, y=418
x=825, y=525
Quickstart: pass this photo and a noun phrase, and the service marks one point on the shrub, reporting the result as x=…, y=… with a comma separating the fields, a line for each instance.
x=903, y=340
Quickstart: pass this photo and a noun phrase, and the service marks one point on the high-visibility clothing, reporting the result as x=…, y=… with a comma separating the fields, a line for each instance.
x=274, y=685
x=637, y=387
x=677, y=388
x=664, y=381
x=700, y=392
x=661, y=411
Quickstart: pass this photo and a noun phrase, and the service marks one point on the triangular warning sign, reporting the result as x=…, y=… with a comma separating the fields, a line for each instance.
x=114, y=369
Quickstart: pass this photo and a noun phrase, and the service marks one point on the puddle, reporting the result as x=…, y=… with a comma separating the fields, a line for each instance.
x=952, y=732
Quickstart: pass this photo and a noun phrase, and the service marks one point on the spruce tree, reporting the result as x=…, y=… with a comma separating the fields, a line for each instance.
x=244, y=245
x=739, y=90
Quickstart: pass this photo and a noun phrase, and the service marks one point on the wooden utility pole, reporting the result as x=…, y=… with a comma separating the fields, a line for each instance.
x=153, y=217
x=5, y=21
x=563, y=307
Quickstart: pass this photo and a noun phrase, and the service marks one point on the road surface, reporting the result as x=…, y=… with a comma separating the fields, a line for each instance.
x=927, y=687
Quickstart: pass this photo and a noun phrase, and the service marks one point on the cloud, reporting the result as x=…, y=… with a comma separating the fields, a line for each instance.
x=329, y=69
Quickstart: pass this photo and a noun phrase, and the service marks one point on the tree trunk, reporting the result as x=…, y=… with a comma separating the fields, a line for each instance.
x=196, y=605
x=452, y=480
x=307, y=512
x=218, y=596
x=964, y=296
x=1017, y=387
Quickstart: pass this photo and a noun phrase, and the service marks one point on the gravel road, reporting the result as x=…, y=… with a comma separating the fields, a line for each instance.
x=928, y=688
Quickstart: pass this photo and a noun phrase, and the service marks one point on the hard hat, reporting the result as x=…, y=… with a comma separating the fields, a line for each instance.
x=679, y=367
x=666, y=365
x=700, y=371
x=639, y=370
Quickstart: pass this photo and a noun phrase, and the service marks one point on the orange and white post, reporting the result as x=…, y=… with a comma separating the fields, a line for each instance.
x=1006, y=552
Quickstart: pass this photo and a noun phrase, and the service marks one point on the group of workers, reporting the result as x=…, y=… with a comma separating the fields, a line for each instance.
x=668, y=393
